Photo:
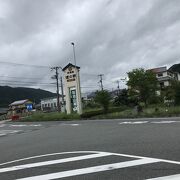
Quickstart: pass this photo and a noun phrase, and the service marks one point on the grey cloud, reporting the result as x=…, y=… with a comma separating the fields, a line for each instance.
x=111, y=37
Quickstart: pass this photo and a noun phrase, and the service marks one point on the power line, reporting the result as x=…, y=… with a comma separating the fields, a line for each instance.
x=26, y=82
x=16, y=77
x=20, y=64
x=23, y=84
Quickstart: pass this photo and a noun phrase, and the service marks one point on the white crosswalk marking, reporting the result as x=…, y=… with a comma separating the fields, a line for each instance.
x=84, y=155
x=173, y=177
x=46, y=163
x=94, y=169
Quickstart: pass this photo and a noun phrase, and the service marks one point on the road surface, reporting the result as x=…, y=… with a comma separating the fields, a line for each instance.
x=126, y=149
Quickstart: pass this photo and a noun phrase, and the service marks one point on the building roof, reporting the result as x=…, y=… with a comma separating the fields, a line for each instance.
x=159, y=69
x=49, y=98
x=70, y=65
x=15, y=103
x=175, y=68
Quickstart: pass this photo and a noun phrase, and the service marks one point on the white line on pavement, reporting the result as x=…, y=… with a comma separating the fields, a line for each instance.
x=89, y=170
x=25, y=125
x=2, y=125
x=9, y=131
x=58, y=161
x=134, y=122
x=52, y=154
x=173, y=177
x=70, y=124
x=164, y=122
x=6, y=132
x=99, y=152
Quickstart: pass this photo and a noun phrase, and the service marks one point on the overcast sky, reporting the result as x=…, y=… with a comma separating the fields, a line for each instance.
x=111, y=37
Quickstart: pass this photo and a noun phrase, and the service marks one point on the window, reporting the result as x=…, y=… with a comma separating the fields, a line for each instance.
x=161, y=84
x=160, y=75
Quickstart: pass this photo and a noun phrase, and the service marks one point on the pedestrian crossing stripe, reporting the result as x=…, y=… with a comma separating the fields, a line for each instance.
x=94, y=169
x=138, y=160
x=173, y=177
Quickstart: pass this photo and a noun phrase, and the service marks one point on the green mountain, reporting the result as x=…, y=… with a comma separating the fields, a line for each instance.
x=10, y=94
x=175, y=68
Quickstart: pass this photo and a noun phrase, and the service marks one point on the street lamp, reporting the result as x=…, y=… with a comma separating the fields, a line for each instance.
x=72, y=43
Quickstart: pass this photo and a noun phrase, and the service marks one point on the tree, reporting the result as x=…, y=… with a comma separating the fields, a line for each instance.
x=177, y=93
x=142, y=85
x=171, y=94
x=123, y=99
x=103, y=98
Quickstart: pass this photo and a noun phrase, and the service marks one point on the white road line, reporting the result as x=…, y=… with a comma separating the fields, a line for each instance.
x=163, y=122
x=58, y=161
x=134, y=122
x=2, y=134
x=173, y=177
x=70, y=124
x=25, y=125
x=74, y=124
x=89, y=170
x=52, y=154
x=9, y=131
x=141, y=157
x=99, y=152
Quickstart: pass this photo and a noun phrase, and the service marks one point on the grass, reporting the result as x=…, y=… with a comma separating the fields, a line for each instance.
x=54, y=116
x=114, y=113
x=147, y=112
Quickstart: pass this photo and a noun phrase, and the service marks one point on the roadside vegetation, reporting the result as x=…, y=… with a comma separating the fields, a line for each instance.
x=144, y=98
x=53, y=116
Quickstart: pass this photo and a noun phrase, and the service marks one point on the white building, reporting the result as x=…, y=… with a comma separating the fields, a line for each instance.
x=164, y=76
x=50, y=104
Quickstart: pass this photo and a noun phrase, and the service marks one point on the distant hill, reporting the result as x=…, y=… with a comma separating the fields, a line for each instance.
x=10, y=94
x=175, y=68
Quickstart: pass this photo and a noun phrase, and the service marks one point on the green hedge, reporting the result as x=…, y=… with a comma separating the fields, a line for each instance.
x=91, y=114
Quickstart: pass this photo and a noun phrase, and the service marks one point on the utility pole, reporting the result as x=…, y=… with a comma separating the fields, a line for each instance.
x=118, y=87
x=62, y=92
x=101, y=75
x=57, y=85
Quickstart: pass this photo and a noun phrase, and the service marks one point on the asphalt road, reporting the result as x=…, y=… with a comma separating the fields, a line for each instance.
x=136, y=149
